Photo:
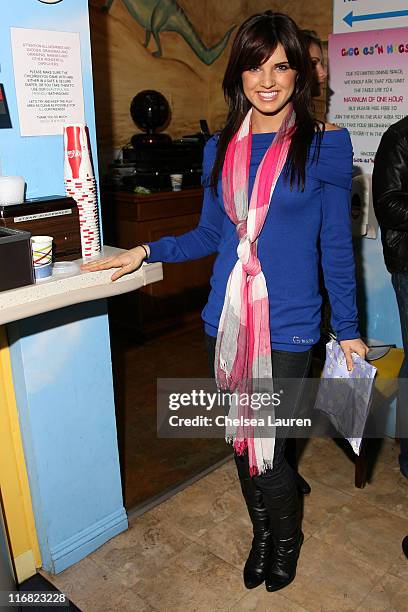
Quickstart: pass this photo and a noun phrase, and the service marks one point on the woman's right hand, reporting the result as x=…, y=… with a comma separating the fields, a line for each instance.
x=129, y=261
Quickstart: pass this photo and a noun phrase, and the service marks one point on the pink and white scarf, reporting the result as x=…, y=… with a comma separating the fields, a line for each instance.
x=243, y=361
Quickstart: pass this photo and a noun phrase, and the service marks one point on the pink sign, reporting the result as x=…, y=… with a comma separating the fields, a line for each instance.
x=369, y=78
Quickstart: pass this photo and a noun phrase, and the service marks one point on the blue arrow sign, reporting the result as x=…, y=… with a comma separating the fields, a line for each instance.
x=350, y=17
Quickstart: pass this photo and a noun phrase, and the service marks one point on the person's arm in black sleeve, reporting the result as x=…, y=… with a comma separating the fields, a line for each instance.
x=390, y=181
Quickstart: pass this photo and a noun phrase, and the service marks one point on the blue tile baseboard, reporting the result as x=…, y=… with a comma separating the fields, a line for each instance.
x=85, y=542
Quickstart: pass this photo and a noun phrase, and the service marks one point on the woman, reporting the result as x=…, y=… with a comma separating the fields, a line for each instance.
x=314, y=45
x=275, y=183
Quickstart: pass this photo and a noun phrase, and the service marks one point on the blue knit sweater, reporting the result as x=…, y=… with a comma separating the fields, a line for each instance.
x=300, y=228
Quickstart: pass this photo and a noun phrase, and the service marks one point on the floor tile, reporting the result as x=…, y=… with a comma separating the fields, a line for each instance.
x=325, y=462
x=197, y=508
x=399, y=568
x=389, y=451
x=228, y=466
x=195, y=580
x=94, y=589
x=141, y=550
x=390, y=595
x=321, y=505
x=310, y=446
x=388, y=491
x=223, y=478
x=330, y=581
x=259, y=600
x=231, y=539
x=366, y=532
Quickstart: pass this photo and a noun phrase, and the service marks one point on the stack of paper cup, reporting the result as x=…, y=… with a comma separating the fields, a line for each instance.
x=80, y=184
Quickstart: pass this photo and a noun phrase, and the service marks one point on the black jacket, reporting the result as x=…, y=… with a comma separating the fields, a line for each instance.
x=390, y=195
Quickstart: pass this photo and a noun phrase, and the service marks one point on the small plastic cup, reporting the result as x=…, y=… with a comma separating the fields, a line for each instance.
x=65, y=267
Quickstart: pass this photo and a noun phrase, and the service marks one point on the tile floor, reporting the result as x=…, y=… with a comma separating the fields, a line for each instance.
x=187, y=553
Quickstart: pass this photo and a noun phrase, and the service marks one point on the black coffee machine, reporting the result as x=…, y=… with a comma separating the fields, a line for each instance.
x=152, y=156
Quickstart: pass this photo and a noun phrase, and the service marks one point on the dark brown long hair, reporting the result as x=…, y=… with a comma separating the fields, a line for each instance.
x=310, y=37
x=254, y=43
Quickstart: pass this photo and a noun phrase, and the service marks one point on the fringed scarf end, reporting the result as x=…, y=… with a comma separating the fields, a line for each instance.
x=240, y=446
x=266, y=465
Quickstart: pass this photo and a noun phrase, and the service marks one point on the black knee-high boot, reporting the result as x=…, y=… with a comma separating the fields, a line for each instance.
x=281, y=499
x=258, y=559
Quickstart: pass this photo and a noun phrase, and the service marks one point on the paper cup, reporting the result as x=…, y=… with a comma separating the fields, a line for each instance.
x=176, y=181
x=77, y=160
x=43, y=271
x=42, y=250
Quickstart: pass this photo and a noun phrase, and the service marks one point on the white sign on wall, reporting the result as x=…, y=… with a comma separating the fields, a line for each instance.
x=48, y=79
x=363, y=15
x=368, y=77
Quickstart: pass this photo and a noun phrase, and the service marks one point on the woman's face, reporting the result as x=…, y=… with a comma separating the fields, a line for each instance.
x=319, y=70
x=268, y=88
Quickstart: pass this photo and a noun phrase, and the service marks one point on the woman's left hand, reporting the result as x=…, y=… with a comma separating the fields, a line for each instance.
x=353, y=346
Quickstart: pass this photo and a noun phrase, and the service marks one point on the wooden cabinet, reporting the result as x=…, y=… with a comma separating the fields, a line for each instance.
x=131, y=219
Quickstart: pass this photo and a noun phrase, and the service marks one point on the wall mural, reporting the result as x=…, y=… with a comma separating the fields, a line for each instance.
x=157, y=16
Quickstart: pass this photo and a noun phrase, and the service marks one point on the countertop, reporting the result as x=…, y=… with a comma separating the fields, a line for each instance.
x=66, y=289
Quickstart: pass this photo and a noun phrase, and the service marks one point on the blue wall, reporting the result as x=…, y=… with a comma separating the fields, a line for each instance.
x=61, y=360
x=377, y=304
x=40, y=159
